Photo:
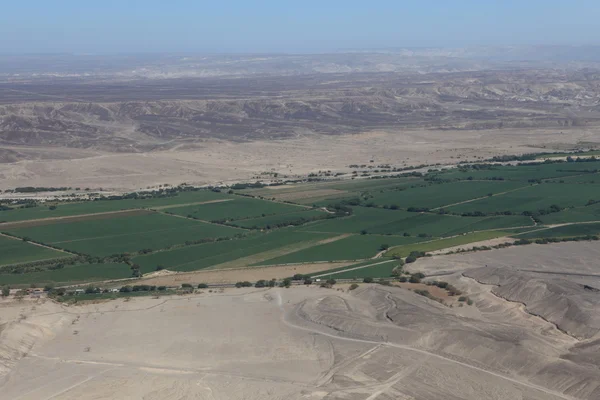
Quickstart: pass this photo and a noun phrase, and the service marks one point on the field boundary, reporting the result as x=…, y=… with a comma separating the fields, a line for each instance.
x=199, y=203
x=278, y=252
x=482, y=197
x=352, y=269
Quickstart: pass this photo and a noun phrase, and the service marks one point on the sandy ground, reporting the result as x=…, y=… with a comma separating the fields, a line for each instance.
x=470, y=246
x=578, y=260
x=213, y=161
x=374, y=342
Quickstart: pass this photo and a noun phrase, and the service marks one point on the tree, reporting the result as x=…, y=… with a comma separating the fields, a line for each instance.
x=186, y=286
x=384, y=247
x=368, y=280
x=363, y=232
x=202, y=286
x=308, y=281
x=52, y=208
x=298, y=277
x=90, y=290
x=416, y=278
x=287, y=282
x=331, y=281
x=5, y=291
x=353, y=286
x=411, y=259
x=260, y=284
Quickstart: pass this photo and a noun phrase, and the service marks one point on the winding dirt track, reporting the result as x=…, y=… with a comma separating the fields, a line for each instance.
x=413, y=349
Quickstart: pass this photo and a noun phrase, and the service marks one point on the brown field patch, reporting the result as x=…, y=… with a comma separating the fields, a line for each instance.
x=74, y=218
x=240, y=274
x=308, y=194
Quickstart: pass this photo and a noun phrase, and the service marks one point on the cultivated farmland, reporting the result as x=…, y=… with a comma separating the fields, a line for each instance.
x=186, y=229
x=44, y=210
x=15, y=251
x=355, y=247
x=237, y=208
x=202, y=256
x=122, y=235
x=69, y=274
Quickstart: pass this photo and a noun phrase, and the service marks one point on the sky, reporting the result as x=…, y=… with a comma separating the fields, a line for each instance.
x=109, y=26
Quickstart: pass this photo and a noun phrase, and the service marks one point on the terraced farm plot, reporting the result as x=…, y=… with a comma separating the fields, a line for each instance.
x=69, y=274
x=443, y=195
x=127, y=234
x=236, y=209
x=98, y=206
x=563, y=231
x=15, y=251
x=356, y=247
x=271, y=221
x=533, y=198
x=191, y=258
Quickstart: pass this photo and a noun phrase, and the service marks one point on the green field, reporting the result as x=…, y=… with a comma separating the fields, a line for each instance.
x=579, y=214
x=440, y=244
x=362, y=218
x=280, y=220
x=383, y=269
x=236, y=208
x=124, y=234
x=523, y=172
x=15, y=251
x=255, y=232
x=442, y=195
x=356, y=247
x=98, y=206
x=397, y=222
x=69, y=274
x=563, y=231
x=533, y=198
x=192, y=258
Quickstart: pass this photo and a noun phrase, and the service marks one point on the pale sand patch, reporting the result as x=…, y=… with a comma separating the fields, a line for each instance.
x=219, y=162
x=469, y=246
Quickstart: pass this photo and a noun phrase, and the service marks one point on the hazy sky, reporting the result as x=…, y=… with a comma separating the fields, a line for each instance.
x=90, y=26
